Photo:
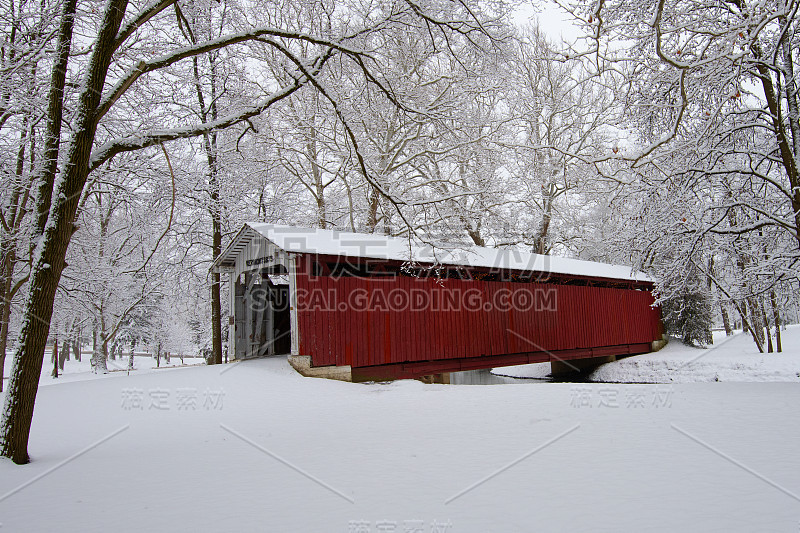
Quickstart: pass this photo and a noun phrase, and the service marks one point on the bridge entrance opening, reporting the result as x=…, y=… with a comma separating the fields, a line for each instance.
x=262, y=314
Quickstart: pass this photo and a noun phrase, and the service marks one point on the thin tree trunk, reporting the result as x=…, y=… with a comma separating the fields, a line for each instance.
x=63, y=355
x=5, y=316
x=319, y=187
x=3, y=344
x=766, y=325
x=793, y=121
x=776, y=318
x=54, y=358
x=210, y=145
x=788, y=157
x=748, y=326
x=76, y=347
x=350, y=206
x=754, y=323
x=726, y=322
x=372, y=211
x=540, y=244
x=8, y=248
x=216, y=299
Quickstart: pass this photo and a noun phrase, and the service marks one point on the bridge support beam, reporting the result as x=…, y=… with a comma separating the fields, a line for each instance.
x=437, y=370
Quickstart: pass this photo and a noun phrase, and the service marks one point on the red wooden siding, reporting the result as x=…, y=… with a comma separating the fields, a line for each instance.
x=353, y=321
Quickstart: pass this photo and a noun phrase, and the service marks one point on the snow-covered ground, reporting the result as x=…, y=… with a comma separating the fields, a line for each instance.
x=82, y=370
x=254, y=446
x=733, y=358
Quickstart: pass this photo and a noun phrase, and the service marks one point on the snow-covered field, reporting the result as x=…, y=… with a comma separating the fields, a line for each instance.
x=255, y=447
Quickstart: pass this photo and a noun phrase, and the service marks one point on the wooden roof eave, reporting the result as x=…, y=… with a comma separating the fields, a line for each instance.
x=227, y=259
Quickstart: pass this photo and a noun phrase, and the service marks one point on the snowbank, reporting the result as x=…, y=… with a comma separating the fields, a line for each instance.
x=729, y=359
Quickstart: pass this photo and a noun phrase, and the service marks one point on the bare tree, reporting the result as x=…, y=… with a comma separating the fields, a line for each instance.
x=710, y=169
x=106, y=78
x=24, y=30
x=563, y=118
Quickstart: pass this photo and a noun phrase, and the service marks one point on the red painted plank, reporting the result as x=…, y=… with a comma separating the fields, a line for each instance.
x=326, y=322
x=334, y=321
x=425, y=349
x=460, y=317
x=445, y=330
x=432, y=316
x=359, y=316
x=408, y=333
x=500, y=319
x=347, y=324
x=367, y=335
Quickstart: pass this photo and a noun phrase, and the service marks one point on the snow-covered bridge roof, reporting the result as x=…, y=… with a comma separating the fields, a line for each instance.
x=294, y=239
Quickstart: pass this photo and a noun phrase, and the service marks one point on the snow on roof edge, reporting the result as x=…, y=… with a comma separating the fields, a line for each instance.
x=377, y=246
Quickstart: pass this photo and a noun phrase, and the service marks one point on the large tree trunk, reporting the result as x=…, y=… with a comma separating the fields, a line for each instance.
x=29, y=355
x=58, y=226
x=76, y=347
x=475, y=235
x=63, y=355
x=726, y=321
x=54, y=358
x=99, y=351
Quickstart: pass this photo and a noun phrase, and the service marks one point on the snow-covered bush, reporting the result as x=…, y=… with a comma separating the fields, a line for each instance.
x=689, y=315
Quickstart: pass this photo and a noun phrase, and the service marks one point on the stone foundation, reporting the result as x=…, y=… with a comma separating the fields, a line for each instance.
x=302, y=363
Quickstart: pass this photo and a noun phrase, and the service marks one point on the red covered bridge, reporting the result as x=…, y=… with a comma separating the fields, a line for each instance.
x=370, y=307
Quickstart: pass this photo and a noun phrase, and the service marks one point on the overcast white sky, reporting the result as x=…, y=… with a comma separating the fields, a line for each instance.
x=551, y=19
